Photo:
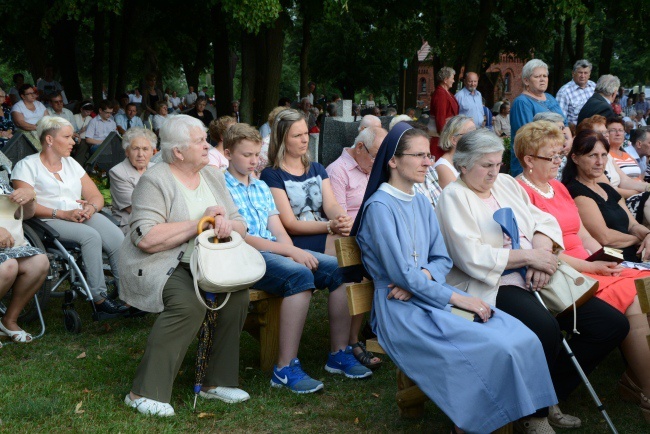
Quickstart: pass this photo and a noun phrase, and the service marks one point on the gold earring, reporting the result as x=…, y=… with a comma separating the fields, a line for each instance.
x=530, y=171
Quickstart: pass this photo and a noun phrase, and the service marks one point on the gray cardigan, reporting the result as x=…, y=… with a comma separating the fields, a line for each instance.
x=156, y=199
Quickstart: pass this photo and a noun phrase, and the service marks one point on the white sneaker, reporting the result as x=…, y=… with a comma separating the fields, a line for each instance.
x=149, y=406
x=231, y=395
x=560, y=420
x=533, y=425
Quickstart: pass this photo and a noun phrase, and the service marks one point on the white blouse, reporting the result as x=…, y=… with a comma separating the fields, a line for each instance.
x=50, y=192
x=31, y=117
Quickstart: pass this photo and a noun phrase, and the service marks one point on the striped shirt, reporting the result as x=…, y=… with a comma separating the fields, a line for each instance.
x=572, y=97
x=255, y=204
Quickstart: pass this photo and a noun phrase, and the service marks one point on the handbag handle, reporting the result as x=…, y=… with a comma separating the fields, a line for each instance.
x=202, y=222
x=194, y=269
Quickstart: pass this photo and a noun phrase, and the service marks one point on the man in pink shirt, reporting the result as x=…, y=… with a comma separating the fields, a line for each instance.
x=350, y=172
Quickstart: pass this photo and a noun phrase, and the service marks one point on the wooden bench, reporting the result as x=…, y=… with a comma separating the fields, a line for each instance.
x=263, y=323
x=410, y=399
x=643, y=291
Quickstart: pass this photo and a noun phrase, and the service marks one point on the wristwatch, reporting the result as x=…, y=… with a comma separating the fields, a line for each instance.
x=54, y=213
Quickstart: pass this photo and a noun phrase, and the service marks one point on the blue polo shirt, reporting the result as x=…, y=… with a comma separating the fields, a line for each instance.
x=470, y=105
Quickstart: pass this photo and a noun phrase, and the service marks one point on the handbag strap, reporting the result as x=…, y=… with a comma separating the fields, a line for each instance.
x=194, y=269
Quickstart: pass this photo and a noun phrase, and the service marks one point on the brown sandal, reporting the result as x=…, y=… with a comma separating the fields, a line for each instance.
x=365, y=357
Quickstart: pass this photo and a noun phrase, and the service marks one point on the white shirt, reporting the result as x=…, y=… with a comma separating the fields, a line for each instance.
x=190, y=98
x=175, y=101
x=31, y=117
x=135, y=99
x=50, y=192
x=81, y=122
x=65, y=114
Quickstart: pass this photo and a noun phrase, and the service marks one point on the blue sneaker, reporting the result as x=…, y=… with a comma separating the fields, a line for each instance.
x=294, y=378
x=344, y=362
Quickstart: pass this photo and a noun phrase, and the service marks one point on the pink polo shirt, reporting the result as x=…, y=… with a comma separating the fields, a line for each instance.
x=348, y=182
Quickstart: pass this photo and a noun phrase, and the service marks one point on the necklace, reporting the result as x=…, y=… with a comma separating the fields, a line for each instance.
x=413, y=236
x=545, y=195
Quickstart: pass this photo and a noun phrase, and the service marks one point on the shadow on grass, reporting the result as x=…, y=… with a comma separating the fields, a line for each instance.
x=48, y=387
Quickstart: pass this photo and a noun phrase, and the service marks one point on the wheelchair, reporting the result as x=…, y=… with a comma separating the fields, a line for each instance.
x=66, y=261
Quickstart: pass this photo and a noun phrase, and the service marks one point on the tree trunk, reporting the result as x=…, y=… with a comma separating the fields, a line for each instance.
x=248, y=67
x=269, y=67
x=304, y=55
x=568, y=40
x=150, y=62
x=606, y=53
x=114, y=23
x=476, y=53
x=223, y=73
x=98, y=56
x=194, y=66
x=580, y=42
x=408, y=84
x=128, y=13
x=558, y=60
x=64, y=34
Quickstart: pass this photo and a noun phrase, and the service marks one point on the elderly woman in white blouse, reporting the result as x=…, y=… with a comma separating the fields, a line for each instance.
x=68, y=200
x=138, y=144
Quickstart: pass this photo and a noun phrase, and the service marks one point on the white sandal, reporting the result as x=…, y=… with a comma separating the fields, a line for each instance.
x=18, y=336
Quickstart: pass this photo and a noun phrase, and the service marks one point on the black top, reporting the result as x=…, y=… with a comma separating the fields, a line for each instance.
x=614, y=215
x=206, y=118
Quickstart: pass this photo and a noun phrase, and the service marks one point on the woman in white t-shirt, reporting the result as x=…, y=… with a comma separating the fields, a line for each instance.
x=27, y=112
x=60, y=184
x=454, y=129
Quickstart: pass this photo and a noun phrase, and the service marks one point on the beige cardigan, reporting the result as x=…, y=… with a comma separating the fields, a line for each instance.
x=156, y=199
x=475, y=241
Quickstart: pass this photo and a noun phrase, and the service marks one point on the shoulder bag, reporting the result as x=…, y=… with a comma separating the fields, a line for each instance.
x=567, y=290
x=227, y=265
x=9, y=222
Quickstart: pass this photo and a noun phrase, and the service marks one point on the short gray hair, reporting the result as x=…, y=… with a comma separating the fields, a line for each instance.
x=451, y=128
x=50, y=125
x=444, y=73
x=582, y=63
x=607, y=84
x=368, y=121
x=367, y=137
x=532, y=65
x=137, y=132
x=398, y=119
x=175, y=133
x=473, y=145
x=549, y=116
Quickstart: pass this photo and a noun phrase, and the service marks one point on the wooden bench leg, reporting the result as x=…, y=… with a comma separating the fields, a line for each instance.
x=263, y=323
x=410, y=399
x=506, y=429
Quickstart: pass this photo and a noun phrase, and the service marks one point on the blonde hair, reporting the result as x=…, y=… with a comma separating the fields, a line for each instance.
x=451, y=129
x=283, y=123
x=536, y=135
x=238, y=132
x=219, y=126
x=50, y=126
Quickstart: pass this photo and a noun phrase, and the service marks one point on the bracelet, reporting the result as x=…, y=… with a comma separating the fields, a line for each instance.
x=94, y=206
x=329, y=227
x=54, y=213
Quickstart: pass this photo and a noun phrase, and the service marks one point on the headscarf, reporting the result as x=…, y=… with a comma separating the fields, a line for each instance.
x=380, y=171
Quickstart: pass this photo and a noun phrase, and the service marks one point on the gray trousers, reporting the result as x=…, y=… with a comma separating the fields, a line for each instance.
x=174, y=330
x=94, y=235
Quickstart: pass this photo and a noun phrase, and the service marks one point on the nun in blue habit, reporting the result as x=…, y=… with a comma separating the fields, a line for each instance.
x=483, y=374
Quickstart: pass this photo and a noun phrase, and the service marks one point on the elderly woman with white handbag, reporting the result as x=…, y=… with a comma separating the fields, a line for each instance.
x=22, y=267
x=168, y=203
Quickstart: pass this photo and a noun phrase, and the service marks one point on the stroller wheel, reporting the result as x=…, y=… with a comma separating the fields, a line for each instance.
x=72, y=321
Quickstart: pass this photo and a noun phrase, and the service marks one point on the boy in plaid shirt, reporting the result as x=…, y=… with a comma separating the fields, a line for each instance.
x=291, y=272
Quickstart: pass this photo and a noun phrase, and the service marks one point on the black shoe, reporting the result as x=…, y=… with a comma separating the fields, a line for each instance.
x=111, y=307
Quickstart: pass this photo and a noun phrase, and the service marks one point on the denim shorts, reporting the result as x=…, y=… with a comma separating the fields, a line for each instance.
x=285, y=277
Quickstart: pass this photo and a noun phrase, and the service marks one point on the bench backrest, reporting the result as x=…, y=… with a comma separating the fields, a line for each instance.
x=359, y=294
x=107, y=155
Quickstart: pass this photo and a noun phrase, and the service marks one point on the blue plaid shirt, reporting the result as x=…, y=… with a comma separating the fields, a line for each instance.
x=255, y=204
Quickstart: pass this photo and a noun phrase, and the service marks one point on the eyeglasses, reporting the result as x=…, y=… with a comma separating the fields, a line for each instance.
x=420, y=155
x=29, y=93
x=368, y=151
x=108, y=112
x=56, y=101
x=616, y=131
x=554, y=158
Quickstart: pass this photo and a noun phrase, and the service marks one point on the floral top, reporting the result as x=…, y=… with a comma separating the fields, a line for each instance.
x=6, y=124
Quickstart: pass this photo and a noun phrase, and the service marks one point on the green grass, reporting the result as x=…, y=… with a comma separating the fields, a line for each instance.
x=42, y=383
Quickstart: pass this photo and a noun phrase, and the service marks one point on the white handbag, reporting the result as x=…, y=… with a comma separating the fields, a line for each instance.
x=219, y=266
